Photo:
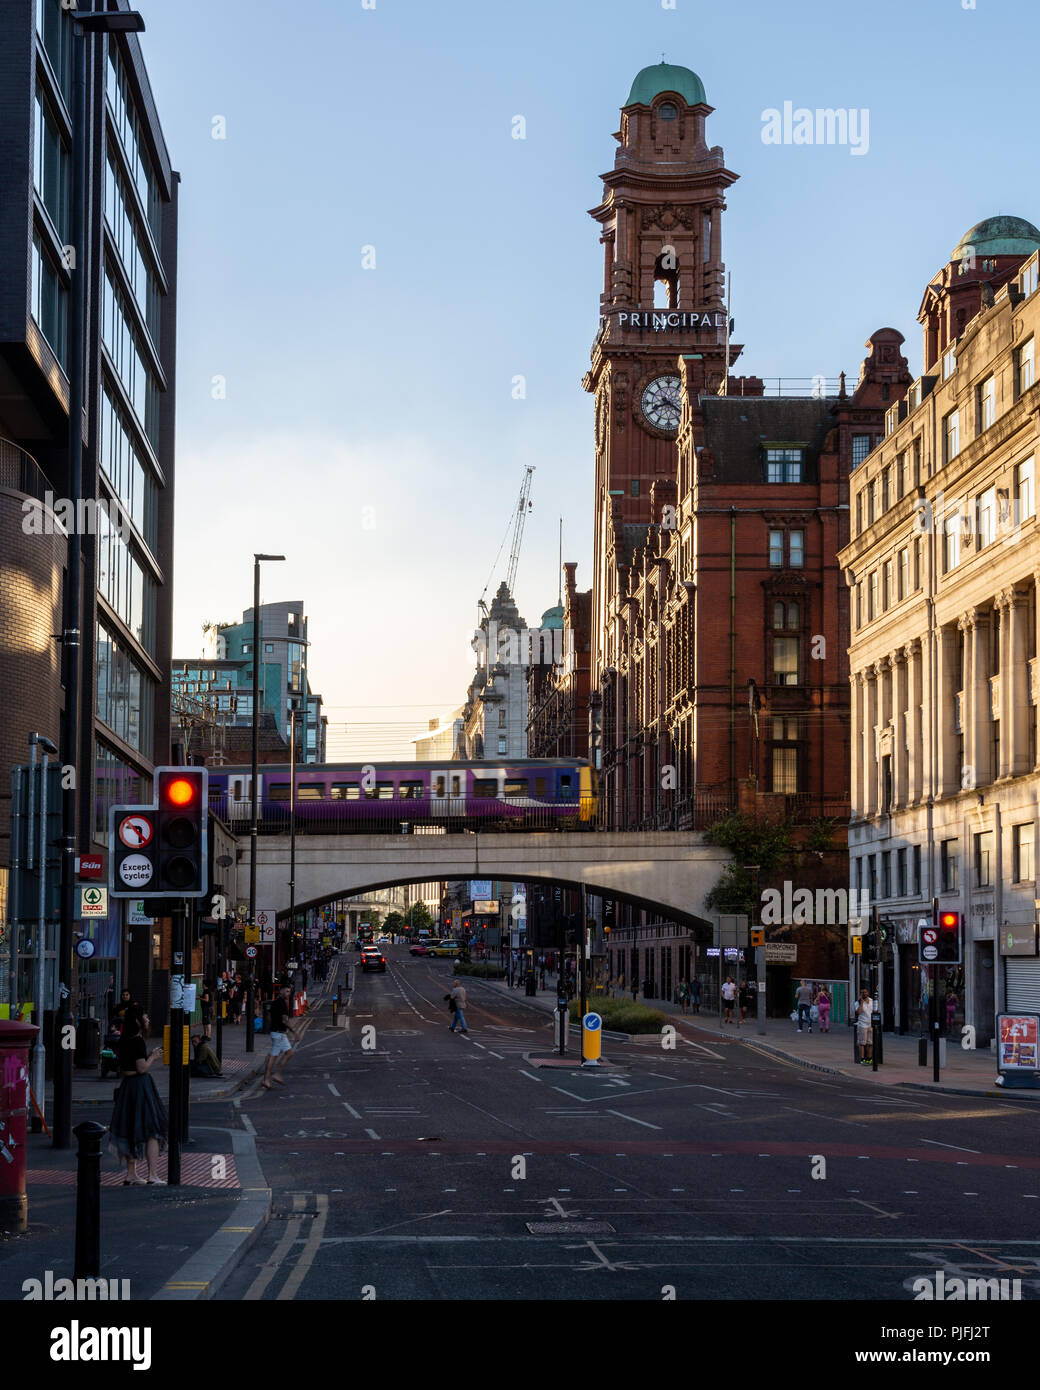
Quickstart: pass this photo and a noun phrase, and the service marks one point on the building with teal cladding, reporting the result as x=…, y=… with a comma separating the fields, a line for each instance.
x=666, y=77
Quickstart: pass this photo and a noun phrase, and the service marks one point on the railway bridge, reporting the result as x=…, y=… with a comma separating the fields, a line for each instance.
x=667, y=871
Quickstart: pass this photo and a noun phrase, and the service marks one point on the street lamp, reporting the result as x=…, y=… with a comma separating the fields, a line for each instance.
x=84, y=23
x=257, y=561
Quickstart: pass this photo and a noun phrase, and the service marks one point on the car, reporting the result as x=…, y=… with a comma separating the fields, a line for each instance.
x=372, y=959
x=444, y=948
x=424, y=948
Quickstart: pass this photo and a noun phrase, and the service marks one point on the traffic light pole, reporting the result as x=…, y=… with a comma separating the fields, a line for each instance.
x=173, y=1172
x=933, y=1002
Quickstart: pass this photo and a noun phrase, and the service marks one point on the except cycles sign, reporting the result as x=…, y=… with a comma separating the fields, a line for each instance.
x=929, y=943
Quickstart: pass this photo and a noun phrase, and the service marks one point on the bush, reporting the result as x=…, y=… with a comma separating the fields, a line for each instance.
x=621, y=1015
x=485, y=972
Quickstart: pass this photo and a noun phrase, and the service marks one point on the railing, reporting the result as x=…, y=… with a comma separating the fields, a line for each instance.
x=20, y=472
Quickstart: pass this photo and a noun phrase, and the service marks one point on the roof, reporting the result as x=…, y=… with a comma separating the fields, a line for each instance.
x=666, y=77
x=552, y=618
x=737, y=428
x=998, y=236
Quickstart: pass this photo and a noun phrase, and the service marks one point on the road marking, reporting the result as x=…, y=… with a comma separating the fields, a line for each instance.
x=310, y=1249
x=247, y=1124
x=333, y=1090
x=959, y=1147
x=532, y=1078
x=356, y=1113
x=259, y=1285
x=496, y=1054
x=891, y=1215
x=371, y=1134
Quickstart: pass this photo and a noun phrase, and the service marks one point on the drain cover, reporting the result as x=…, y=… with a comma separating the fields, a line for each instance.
x=570, y=1228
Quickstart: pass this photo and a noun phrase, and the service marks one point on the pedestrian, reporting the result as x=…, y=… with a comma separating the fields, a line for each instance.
x=204, y=1063
x=745, y=1000
x=684, y=996
x=458, y=998
x=206, y=1002
x=864, y=1016
x=139, y=1125
x=695, y=994
x=803, y=1003
x=823, y=1006
x=729, y=994
x=118, y=1015
x=281, y=1031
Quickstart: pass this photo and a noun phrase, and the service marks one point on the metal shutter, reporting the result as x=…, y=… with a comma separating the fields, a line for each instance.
x=1023, y=985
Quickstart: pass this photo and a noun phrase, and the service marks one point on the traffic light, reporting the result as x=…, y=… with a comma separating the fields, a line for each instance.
x=949, y=943
x=182, y=795
x=872, y=945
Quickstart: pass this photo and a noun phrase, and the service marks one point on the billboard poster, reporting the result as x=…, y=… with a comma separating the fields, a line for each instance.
x=1017, y=1042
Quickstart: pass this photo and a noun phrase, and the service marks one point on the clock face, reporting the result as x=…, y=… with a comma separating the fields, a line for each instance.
x=660, y=403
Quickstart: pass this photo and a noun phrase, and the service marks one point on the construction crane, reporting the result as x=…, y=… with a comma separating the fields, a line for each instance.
x=517, y=520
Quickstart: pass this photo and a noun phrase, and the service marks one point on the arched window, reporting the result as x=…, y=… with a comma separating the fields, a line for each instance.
x=666, y=279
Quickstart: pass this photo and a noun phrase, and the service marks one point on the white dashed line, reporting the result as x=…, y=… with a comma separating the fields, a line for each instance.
x=333, y=1090
x=371, y=1134
x=645, y=1123
x=356, y=1113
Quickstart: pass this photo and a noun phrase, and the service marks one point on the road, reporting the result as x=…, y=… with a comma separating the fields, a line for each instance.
x=411, y=1163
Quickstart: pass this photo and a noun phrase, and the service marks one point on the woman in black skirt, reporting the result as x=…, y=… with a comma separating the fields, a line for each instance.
x=139, y=1123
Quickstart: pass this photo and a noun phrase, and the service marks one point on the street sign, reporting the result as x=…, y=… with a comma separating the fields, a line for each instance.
x=136, y=915
x=263, y=916
x=135, y=831
x=85, y=948
x=928, y=943
x=758, y=936
x=90, y=866
x=266, y=937
x=781, y=952
x=252, y=935
x=591, y=1039
x=251, y=952
x=93, y=902
x=135, y=871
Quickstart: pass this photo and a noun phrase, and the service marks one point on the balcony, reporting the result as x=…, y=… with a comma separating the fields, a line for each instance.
x=20, y=472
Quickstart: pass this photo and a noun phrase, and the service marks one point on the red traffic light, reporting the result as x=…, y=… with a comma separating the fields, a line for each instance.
x=949, y=921
x=180, y=792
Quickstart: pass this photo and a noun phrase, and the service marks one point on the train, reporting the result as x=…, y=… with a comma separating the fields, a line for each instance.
x=541, y=793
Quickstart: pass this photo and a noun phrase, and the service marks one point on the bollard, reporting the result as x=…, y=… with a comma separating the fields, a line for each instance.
x=88, y=1199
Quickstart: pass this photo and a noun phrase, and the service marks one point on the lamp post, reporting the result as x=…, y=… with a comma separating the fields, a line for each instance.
x=84, y=23
x=250, y=1004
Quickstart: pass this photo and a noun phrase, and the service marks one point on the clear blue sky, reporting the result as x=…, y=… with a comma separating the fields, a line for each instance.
x=390, y=388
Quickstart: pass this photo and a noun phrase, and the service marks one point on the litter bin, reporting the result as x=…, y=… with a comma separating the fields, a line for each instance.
x=88, y=1042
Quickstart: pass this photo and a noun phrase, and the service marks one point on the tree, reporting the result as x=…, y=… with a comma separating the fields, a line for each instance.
x=419, y=918
x=395, y=925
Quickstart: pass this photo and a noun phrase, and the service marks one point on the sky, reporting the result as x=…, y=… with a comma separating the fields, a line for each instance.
x=368, y=260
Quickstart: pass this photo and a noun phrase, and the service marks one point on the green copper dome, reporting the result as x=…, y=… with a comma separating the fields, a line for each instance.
x=665, y=77
x=999, y=236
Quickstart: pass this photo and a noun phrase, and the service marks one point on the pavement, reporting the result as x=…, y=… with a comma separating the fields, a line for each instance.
x=219, y=1210
x=964, y=1072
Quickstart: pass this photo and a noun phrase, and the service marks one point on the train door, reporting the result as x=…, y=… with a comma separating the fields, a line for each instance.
x=447, y=793
x=240, y=796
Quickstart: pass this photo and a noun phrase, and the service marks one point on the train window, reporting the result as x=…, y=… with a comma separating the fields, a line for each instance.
x=409, y=791
x=278, y=791
x=345, y=791
x=566, y=789
x=517, y=787
x=382, y=791
x=439, y=785
x=539, y=786
x=485, y=786
x=237, y=791
x=456, y=786
x=311, y=791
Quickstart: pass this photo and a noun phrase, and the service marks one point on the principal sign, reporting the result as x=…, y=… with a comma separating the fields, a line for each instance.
x=668, y=320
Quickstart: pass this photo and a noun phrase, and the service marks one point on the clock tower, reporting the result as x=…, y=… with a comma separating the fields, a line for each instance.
x=663, y=300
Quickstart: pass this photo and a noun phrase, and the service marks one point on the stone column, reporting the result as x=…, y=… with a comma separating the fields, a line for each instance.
x=881, y=705
x=981, y=705
x=947, y=775
x=870, y=798
x=900, y=789
x=1016, y=686
x=914, y=781
x=856, y=769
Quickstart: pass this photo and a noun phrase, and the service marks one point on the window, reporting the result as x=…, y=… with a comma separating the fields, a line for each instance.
x=949, y=363
x=886, y=876
x=776, y=549
x=886, y=487
x=872, y=596
x=124, y=693
x=382, y=791
x=796, y=545
x=785, y=770
x=787, y=616
x=1029, y=278
x=984, y=859
x=903, y=473
x=127, y=124
x=951, y=542
x=1023, y=853
x=516, y=787
x=859, y=606
x=345, y=791
x=901, y=876
x=860, y=448
x=1026, y=363
x=949, y=866
x=121, y=340
x=785, y=660
x=917, y=462
x=501, y=719
x=485, y=787
x=409, y=791
x=50, y=300
x=987, y=403
x=783, y=465
x=667, y=111
x=952, y=435
x=904, y=572
x=886, y=586
x=986, y=511
x=859, y=513
x=872, y=509
x=278, y=791
x=1025, y=497
x=918, y=886
x=51, y=166
x=315, y=791
x=635, y=487
x=503, y=744
x=917, y=563
x=268, y=646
